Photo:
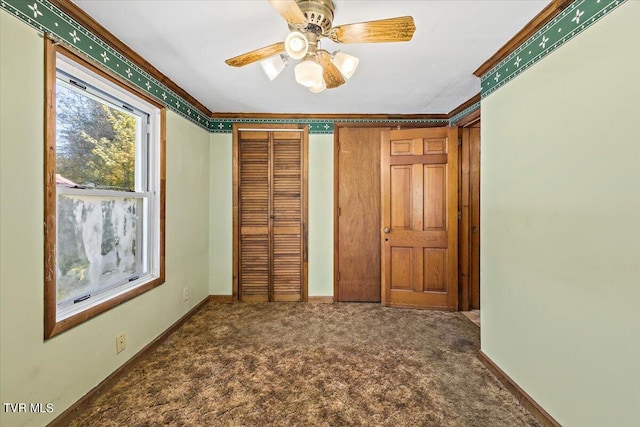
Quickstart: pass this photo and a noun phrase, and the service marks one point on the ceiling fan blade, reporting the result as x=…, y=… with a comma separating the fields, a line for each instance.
x=399, y=29
x=332, y=76
x=289, y=10
x=256, y=55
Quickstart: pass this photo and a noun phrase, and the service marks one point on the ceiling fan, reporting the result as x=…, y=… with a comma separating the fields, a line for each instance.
x=309, y=21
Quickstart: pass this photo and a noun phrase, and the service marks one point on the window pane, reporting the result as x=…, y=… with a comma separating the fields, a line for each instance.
x=99, y=243
x=95, y=142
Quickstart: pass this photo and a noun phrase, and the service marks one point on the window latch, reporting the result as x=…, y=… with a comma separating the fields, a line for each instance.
x=82, y=298
x=75, y=83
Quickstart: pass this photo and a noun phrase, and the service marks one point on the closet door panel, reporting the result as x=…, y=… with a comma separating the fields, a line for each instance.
x=254, y=216
x=287, y=216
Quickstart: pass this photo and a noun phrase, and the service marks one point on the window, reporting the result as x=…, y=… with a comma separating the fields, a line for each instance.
x=103, y=201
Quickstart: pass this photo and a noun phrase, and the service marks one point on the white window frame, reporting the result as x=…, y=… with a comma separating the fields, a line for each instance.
x=81, y=76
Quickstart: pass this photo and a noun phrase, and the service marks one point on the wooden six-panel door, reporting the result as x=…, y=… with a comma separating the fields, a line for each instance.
x=270, y=180
x=419, y=218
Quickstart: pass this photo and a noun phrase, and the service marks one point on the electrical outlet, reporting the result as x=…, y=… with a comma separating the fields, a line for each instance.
x=185, y=294
x=121, y=342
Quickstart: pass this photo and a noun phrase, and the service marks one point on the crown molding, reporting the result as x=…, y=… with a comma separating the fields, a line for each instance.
x=96, y=28
x=466, y=112
x=331, y=116
x=63, y=21
x=46, y=18
x=550, y=29
x=545, y=15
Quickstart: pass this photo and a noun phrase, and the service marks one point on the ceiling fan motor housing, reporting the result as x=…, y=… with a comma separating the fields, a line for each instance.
x=319, y=14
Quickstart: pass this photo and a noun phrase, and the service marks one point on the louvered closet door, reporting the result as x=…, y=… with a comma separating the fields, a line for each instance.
x=286, y=190
x=271, y=214
x=254, y=216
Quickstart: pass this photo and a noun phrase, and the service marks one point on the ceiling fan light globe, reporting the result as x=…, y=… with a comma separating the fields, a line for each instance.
x=296, y=45
x=308, y=73
x=347, y=64
x=273, y=66
x=318, y=87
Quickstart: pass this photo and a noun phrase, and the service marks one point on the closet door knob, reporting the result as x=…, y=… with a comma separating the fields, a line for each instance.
x=386, y=230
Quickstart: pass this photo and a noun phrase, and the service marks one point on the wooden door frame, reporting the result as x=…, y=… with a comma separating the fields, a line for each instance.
x=336, y=176
x=304, y=199
x=469, y=215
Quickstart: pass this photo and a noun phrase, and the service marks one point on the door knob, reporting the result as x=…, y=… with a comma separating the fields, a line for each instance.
x=386, y=230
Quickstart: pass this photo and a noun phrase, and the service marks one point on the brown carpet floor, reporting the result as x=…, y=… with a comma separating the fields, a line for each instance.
x=292, y=364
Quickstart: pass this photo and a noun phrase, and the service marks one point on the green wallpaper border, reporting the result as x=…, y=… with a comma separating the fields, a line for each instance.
x=463, y=113
x=45, y=17
x=316, y=126
x=574, y=19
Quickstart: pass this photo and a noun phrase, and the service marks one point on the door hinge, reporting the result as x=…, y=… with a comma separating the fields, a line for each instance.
x=459, y=140
x=338, y=276
x=459, y=215
x=339, y=211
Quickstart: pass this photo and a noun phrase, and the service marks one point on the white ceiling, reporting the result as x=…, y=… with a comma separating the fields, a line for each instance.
x=188, y=41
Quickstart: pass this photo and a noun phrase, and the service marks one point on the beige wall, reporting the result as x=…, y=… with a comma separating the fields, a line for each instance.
x=561, y=226
x=320, y=215
x=64, y=368
x=221, y=208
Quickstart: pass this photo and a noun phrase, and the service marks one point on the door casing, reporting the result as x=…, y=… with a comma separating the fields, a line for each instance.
x=469, y=224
